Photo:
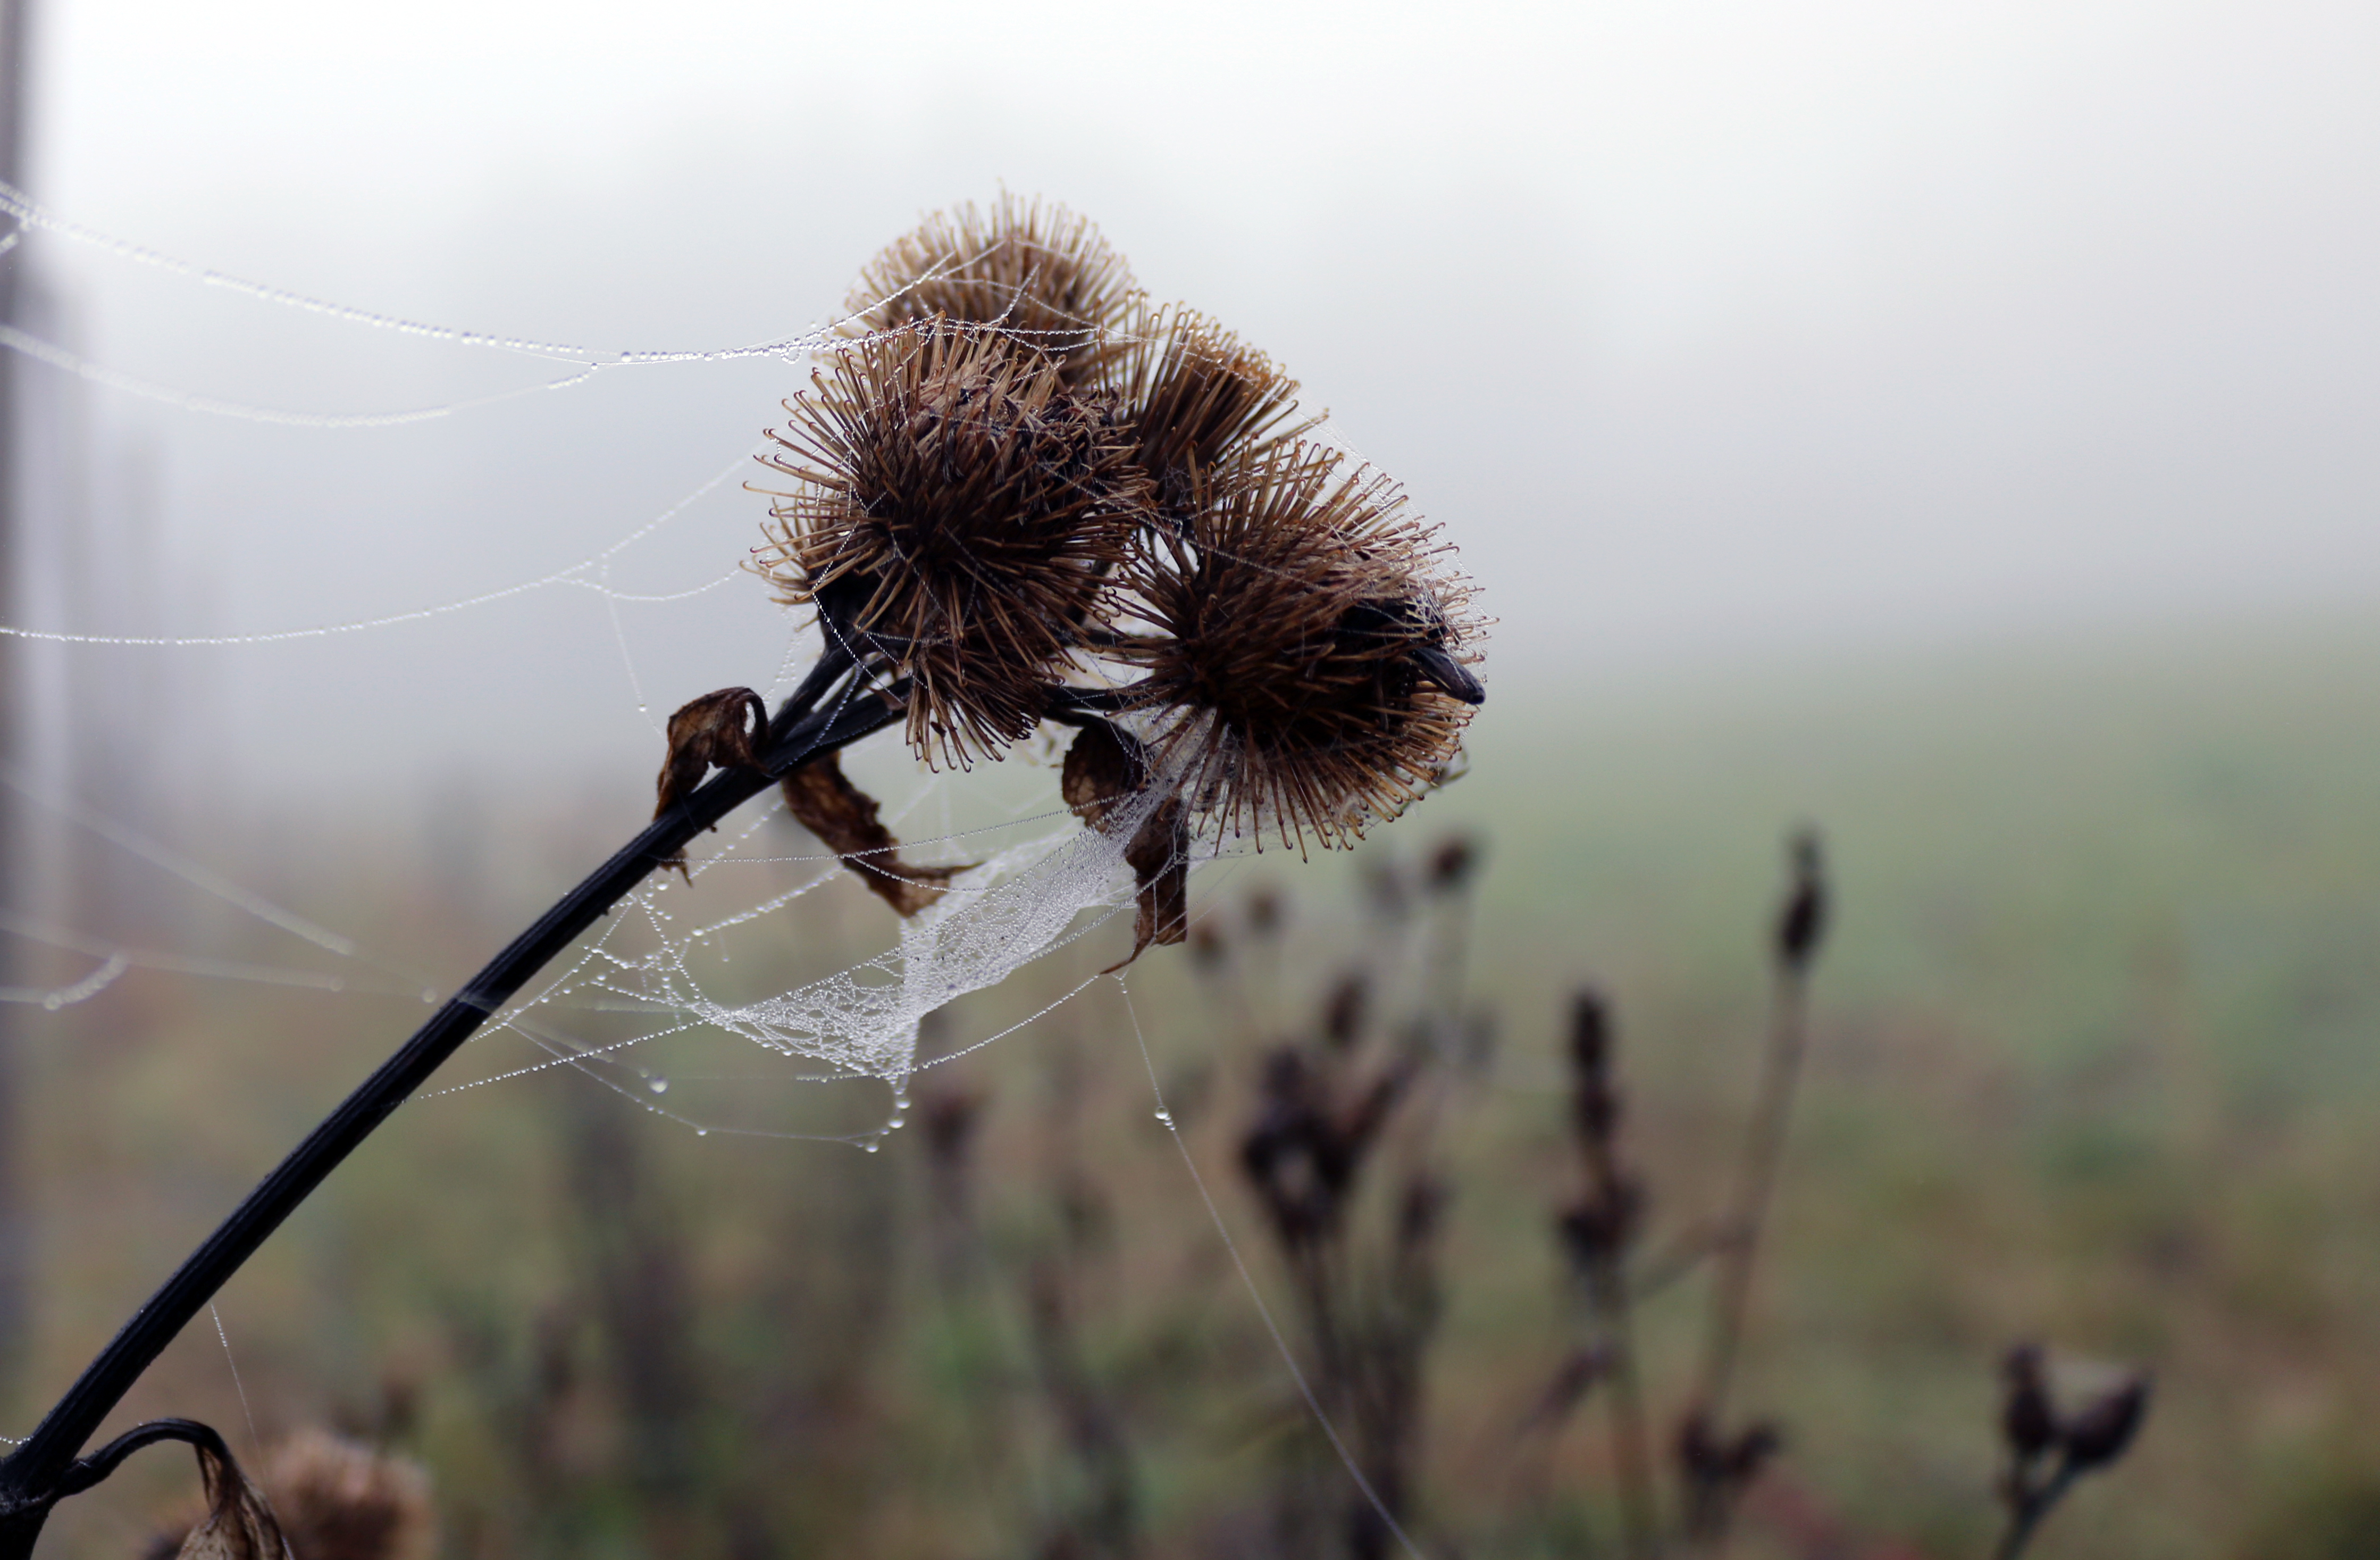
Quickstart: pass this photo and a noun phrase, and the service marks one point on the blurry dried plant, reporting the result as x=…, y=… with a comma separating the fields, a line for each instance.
x=1334, y=1108
x=1599, y=1235
x=341, y=1500
x=1717, y=1463
x=2050, y=1444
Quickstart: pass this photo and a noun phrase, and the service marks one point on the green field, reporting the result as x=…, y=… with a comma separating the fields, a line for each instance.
x=2096, y=1061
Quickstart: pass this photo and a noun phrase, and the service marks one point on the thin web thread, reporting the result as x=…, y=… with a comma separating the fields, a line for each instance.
x=30, y=345
x=16, y=204
x=255, y=1445
x=1304, y=1389
x=28, y=214
x=572, y=576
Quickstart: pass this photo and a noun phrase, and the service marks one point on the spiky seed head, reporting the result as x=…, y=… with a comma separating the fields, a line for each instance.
x=956, y=512
x=1042, y=276
x=1305, y=665
x=1198, y=397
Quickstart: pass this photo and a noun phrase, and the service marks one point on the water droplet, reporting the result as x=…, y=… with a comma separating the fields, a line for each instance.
x=702, y=1131
x=54, y=1002
x=658, y=1085
x=870, y=1147
x=1165, y=1117
x=429, y=993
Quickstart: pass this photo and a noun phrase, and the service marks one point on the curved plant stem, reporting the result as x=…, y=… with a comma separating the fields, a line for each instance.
x=1764, y=1152
x=1608, y=1293
x=41, y=1471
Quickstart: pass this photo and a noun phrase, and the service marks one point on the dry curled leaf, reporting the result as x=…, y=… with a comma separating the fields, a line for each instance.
x=1160, y=858
x=239, y=1524
x=843, y=817
x=716, y=730
x=1104, y=766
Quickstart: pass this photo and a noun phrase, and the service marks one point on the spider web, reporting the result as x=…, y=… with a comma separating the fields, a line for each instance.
x=1022, y=901
x=1034, y=883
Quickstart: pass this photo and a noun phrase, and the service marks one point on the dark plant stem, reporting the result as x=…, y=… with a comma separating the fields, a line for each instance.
x=94, y=1470
x=2031, y=1505
x=38, y=1472
x=1609, y=1292
x=1739, y=1253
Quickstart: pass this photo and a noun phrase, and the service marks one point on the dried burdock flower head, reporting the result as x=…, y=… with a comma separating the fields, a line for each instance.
x=1306, y=664
x=1043, y=277
x=956, y=513
x=1198, y=397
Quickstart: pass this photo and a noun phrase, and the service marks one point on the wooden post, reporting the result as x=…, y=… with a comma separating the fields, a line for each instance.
x=16, y=1243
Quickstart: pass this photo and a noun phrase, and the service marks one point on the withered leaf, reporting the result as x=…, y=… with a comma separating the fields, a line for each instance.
x=240, y=1524
x=716, y=729
x=823, y=800
x=1103, y=766
x=1159, y=859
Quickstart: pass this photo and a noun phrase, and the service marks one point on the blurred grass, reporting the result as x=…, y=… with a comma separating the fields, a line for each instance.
x=2094, y=1062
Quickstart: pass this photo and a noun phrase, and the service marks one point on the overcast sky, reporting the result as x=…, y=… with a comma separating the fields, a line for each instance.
x=1707, y=330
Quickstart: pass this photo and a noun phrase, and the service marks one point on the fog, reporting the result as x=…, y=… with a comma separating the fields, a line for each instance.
x=1710, y=333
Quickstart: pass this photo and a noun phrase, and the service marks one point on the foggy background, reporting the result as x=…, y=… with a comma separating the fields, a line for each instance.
x=1712, y=333
x=1951, y=425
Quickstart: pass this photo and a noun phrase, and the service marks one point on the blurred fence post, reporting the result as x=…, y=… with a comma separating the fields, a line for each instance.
x=14, y=1232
